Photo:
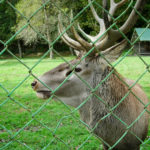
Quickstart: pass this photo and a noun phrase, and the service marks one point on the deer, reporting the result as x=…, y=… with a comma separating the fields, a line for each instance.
x=106, y=103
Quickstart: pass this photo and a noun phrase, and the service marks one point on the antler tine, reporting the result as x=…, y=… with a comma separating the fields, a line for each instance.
x=98, y=19
x=114, y=6
x=69, y=41
x=91, y=38
x=101, y=24
x=130, y=22
x=84, y=43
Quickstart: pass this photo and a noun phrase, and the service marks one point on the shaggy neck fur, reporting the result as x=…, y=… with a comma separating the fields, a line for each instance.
x=110, y=91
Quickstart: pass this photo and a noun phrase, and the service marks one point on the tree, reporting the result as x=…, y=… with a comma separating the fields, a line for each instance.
x=44, y=22
x=7, y=20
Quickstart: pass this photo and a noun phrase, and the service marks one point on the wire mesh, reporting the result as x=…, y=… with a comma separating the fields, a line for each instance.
x=28, y=123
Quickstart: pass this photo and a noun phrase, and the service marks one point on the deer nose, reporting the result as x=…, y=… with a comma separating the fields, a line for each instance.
x=33, y=84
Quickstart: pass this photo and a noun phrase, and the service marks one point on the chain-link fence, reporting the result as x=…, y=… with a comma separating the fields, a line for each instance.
x=27, y=122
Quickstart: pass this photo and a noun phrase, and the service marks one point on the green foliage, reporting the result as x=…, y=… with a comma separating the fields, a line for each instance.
x=43, y=22
x=27, y=8
x=7, y=20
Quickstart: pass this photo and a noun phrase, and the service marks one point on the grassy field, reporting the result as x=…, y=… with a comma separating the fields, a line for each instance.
x=58, y=132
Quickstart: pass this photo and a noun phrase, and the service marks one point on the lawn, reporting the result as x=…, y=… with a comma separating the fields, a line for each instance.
x=27, y=122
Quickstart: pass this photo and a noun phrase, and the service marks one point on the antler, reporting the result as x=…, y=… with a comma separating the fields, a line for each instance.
x=114, y=6
x=69, y=41
x=103, y=39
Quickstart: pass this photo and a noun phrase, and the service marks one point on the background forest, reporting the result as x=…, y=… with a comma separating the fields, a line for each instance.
x=28, y=42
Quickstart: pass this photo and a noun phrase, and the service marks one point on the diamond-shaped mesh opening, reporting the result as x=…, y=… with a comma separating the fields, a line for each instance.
x=112, y=107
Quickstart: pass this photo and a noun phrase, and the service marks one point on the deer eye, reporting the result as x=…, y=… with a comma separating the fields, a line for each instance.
x=78, y=69
x=67, y=74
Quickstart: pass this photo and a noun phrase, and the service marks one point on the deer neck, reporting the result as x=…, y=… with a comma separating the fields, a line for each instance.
x=110, y=92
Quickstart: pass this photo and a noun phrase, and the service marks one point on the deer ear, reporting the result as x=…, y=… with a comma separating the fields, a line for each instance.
x=114, y=52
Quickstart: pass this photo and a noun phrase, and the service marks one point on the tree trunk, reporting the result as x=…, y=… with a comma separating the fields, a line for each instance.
x=51, y=52
x=48, y=33
x=51, y=48
x=20, y=50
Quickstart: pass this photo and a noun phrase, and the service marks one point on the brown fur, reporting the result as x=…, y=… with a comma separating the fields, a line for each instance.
x=112, y=91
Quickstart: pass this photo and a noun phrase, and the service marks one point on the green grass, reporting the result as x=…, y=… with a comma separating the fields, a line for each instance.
x=17, y=112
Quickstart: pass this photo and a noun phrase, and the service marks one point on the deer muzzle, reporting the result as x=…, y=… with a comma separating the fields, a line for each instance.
x=41, y=91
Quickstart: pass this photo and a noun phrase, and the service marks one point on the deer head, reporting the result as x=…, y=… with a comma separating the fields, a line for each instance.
x=73, y=91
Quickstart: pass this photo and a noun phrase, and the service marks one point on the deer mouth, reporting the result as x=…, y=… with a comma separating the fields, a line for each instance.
x=43, y=94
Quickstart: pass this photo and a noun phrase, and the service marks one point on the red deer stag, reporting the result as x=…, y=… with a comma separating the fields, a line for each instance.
x=94, y=69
